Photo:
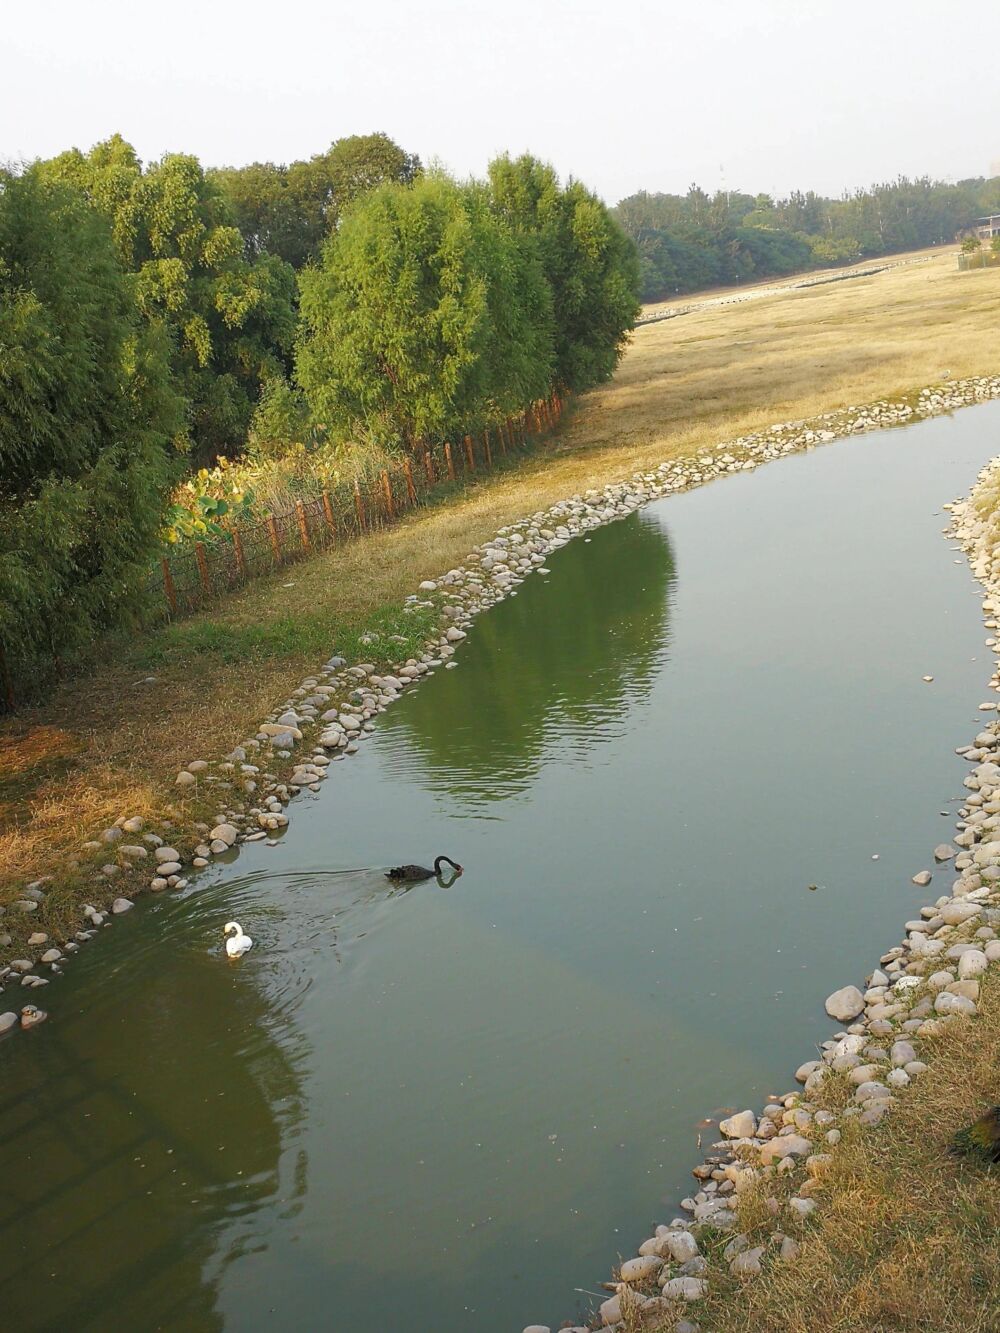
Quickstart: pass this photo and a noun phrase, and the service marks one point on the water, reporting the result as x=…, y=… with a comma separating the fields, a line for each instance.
x=448, y=1108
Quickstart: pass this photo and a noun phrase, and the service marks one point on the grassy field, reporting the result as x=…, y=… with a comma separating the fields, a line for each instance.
x=107, y=744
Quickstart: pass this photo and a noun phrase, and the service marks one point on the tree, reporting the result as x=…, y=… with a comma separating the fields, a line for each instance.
x=288, y=211
x=590, y=265
x=86, y=419
x=231, y=320
x=395, y=320
x=711, y=241
x=970, y=244
x=357, y=165
x=272, y=216
x=518, y=359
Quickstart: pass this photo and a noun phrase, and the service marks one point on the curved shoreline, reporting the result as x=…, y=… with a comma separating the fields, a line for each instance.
x=331, y=712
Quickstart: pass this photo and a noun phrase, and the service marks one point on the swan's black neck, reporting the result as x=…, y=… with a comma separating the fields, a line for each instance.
x=439, y=859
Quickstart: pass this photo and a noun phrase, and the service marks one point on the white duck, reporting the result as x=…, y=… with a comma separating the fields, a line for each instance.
x=237, y=944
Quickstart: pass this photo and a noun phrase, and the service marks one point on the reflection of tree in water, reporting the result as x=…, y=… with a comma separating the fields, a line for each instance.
x=135, y=1133
x=564, y=660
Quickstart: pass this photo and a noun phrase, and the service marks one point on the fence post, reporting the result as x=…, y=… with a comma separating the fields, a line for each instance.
x=449, y=460
x=241, y=561
x=411, y=490
x=390, y=502
x=303, y=524
x=486, y=447
x=503, y=439
x=331, y=522
x=470, y=457
x=359, y=504
x=168, y=585
x=272, y=529
x=199, y=550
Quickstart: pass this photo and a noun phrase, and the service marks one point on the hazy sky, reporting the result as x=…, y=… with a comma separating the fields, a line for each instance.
x=628, y=94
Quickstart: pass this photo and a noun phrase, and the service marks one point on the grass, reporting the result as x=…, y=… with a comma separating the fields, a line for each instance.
x=108, y=743
x=907, y=1238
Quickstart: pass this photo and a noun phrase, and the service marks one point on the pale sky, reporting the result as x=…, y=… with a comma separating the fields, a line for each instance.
x=750, y=94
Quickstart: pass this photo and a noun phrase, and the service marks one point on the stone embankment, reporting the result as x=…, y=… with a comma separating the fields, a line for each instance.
x=921, y=986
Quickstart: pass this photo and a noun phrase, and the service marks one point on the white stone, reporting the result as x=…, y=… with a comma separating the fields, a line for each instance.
x=747, y=1264
x=973, y=963
x=679, y=1246
x=640, y=1270
x=954, y=913
x=685, y=1289
x=785, y=1145
x=742, y=1125
x=845, y=1004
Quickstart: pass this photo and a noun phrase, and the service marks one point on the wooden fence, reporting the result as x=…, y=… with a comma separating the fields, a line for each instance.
x=201, y=571
x=197, y=573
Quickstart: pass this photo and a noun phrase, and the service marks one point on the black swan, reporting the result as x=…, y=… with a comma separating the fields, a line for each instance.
x=412, y=874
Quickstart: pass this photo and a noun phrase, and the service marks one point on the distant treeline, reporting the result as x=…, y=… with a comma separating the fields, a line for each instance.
x=154, y=317
x=696, y=240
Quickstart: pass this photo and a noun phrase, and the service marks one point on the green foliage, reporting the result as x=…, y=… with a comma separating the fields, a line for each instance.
x=970, y=244
x=384, y=636
x=280, y=419
x=231, y=320
x=397, y=319
x=691, y=241
x=289, y=211
x=442, y=308
x=591, y=267
x=86, y=417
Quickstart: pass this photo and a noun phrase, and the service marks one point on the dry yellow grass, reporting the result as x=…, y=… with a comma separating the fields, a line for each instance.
x=907, y=1238
x=104, y=745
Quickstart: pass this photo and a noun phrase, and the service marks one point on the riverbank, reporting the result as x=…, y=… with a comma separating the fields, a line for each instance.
x=108, y=745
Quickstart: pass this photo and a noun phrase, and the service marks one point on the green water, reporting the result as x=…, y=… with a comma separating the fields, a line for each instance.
x=447, y=1109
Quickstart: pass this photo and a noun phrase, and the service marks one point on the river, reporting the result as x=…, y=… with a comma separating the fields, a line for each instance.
x=450, y=1108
